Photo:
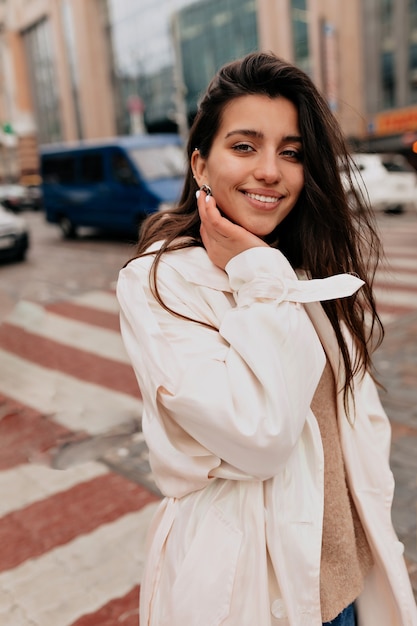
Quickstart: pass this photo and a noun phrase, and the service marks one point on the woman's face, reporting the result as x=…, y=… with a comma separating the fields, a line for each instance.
x=255, y=165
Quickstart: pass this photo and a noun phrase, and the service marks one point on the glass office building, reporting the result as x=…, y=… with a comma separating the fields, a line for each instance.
x=300, y=25
x=211, y=34
x=166, y=53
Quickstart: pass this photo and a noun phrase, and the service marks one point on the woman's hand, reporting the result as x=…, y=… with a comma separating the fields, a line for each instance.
x=221, y=238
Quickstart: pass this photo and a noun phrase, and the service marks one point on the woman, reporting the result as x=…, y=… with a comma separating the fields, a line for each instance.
x=265, y=431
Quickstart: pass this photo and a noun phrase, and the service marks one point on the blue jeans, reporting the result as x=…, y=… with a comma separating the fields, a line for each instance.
x=345, y=618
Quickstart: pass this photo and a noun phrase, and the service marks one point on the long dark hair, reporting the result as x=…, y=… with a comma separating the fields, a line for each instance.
x=329, y=231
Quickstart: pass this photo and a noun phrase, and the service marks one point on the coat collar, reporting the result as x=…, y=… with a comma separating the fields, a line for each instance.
x=196, y=267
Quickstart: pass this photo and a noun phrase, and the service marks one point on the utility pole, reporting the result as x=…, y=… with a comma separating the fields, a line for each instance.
x=180, y=89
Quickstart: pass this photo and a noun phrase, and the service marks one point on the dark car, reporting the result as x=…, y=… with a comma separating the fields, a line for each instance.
x=14, y=236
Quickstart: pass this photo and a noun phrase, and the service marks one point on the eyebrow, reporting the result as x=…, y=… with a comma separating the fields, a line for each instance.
x=258, y=135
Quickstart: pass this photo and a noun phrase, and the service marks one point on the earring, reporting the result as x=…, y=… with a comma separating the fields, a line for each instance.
x=206, y=189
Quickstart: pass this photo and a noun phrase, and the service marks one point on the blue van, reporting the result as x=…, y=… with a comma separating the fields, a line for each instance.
x=111, y=184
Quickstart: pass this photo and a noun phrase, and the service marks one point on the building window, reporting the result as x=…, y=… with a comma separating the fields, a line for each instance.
x=40, y=59
x=412, y=51
x=387, y=54
x=388, y=80
x=300, y=34
x=387, y=19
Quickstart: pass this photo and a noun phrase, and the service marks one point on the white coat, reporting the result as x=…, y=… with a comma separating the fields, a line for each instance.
x=237, y=451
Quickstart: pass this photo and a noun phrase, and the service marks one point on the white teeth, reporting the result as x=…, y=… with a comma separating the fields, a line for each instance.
x=256, y=196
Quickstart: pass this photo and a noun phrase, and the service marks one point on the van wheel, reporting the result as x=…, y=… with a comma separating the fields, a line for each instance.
x=67, y=227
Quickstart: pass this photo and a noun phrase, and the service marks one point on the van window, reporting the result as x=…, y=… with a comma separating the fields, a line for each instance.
x=159, y=162
x=91, y=168
x=121, y=169
x=59, y=170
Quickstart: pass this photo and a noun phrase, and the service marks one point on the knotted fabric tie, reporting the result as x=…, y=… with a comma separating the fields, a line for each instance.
x=291, y=290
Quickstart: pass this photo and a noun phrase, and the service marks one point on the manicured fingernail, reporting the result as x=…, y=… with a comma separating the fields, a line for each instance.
x=207, y=198
x=197, y=193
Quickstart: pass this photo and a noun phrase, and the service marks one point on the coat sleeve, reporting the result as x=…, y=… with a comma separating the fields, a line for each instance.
x=244, y=391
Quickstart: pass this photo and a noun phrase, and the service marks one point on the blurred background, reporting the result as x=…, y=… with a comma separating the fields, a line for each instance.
x=83, y=69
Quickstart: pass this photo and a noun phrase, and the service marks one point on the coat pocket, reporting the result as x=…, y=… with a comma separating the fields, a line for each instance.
x=202, y=591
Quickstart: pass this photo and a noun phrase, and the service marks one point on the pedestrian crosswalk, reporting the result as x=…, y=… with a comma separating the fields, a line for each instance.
x=396, y=279
x=71, y=369
x=73, y=541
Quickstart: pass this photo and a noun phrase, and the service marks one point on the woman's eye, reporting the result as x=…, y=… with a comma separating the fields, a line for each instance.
x=242, y=147
x=292, y=154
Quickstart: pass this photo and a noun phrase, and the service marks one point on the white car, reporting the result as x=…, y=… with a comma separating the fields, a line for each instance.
x=14, y=236
x=13, y=196
x=386, y=181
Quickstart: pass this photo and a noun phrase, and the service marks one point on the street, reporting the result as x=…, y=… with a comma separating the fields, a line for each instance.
x=57, y=269
x=77, y=491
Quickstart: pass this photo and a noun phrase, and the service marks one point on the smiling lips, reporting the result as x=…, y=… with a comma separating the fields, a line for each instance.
x=262, y=198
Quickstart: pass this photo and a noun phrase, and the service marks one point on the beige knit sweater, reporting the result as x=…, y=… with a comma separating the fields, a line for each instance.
x=346, y=556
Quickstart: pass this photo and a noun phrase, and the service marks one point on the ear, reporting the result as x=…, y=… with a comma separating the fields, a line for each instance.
x=199, y=167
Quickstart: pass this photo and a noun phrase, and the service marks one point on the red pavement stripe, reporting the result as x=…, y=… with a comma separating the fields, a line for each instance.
x=55, y=521
x=123, y=611
x=396, y=285
x=89, y=315
x=394, y=252
x=393, y=309
x=392, y=270
x=72, y=361
x=25, y=434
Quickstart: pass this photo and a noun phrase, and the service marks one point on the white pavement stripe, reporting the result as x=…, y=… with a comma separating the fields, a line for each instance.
x=72, y=580
x=29, y=483
x=387, y=318
x=401, y=263
x=397, y=278
x=100, y=341
x=76, y=404
x=399, y=243
x=101, y=300
x=396, y=298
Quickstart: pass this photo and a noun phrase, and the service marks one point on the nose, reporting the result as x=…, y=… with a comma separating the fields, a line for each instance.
x=268, y=167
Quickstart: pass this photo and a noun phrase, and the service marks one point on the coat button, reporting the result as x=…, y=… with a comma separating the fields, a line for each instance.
x=278, y=608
